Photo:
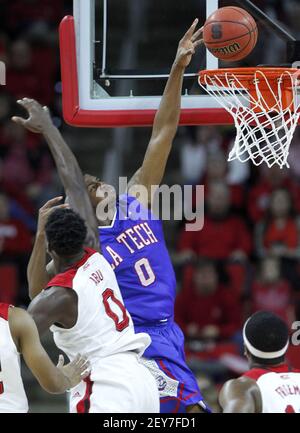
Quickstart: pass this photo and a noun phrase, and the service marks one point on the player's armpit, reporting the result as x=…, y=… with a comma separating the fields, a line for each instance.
x=55, y=305
x=240, y=396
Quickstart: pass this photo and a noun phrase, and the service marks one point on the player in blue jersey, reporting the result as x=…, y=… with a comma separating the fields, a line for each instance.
x=133, y=241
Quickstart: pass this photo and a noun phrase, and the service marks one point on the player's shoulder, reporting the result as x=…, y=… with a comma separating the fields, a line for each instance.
x=65, y=279
x=240, y=384
x=18, y=316
x=243, y=385
x=241, y=389
x=19, y=322
x=12, y=314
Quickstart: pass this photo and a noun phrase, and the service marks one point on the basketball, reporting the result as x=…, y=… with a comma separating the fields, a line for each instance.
x=230, y=33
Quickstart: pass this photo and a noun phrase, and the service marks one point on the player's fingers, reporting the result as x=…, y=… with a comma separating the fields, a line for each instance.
x=191, y=30
x=25, y=102
x=61, y=361
x=197, y=43
x=191, y=51
x=52, y=202
x=84, y=368
x=22, y=102
x=19, y=120
x=76, y=359
x=30, y=101
x=85, y=374
x=82, y=360
x=197, y=34
x=60, y=206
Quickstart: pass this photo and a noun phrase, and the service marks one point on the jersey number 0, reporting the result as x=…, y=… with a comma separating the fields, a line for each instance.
x=121, y=323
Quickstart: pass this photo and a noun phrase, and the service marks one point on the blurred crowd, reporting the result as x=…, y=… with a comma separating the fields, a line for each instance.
x=247, y=256
x=29, y=48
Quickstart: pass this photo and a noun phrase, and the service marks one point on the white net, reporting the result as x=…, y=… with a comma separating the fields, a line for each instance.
x=264, y=123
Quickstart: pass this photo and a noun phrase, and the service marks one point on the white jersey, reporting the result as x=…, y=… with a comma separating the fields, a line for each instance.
x=104, y=332
x=12, y=394
x=104, y=326
x=279, y=388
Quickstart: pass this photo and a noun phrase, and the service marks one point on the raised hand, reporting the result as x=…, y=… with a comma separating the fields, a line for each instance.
x=75, y=371
x=47, y=209
x=39, y=117
x=188, y=44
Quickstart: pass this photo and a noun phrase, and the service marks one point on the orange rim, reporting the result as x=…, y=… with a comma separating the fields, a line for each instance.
x=244, y=79
x=246, y=75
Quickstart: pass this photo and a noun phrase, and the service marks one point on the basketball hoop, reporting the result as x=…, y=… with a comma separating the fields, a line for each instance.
x=265, y=106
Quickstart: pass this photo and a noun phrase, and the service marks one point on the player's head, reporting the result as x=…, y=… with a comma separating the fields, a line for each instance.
x=97, y=189
x=266, y=339
x=66, y=232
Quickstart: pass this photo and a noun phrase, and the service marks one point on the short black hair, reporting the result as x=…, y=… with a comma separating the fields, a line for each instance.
x=268, y=333
x=66, y=232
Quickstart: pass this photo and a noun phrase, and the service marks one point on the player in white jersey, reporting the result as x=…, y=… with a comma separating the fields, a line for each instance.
x=83, y=307
x=270, y=386
x=18, y=335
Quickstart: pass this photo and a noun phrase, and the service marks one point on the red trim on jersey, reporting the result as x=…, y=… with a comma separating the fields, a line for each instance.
x=164, y=368
x=84, y=405
x=256, y=373
x=4, y=310
x=179, y=398
x=65, y=279
x=190, y=395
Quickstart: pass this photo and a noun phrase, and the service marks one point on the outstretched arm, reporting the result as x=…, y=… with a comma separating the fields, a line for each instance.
x=38, y=274
x=240, y=396
x=55, y=380
x=39, y=121
x=166, y=119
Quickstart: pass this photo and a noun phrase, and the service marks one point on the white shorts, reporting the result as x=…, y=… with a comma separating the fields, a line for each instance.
x=117, y=384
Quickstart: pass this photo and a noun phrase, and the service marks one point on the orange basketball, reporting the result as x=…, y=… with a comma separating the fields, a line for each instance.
x=230, y=33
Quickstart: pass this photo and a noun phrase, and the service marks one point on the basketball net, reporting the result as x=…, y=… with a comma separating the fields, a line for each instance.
x=265, y=108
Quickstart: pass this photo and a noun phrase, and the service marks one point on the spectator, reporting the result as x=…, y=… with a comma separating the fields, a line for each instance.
x=197, y=144
x=207, y=310
x=15, y=238
x=217, y=170
x=16, y=168
x=271, y=292
x=270, y=179
x=15, y=247
x=278, y=233
x=224, y=235
x=22, y=78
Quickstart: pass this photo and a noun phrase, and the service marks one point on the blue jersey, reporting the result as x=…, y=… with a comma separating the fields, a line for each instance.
x=134, y=245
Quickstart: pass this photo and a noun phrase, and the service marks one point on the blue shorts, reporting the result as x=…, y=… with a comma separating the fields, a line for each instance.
x=165, y=358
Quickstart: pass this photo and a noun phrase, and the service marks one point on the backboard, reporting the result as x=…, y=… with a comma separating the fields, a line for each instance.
x=116, y=56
